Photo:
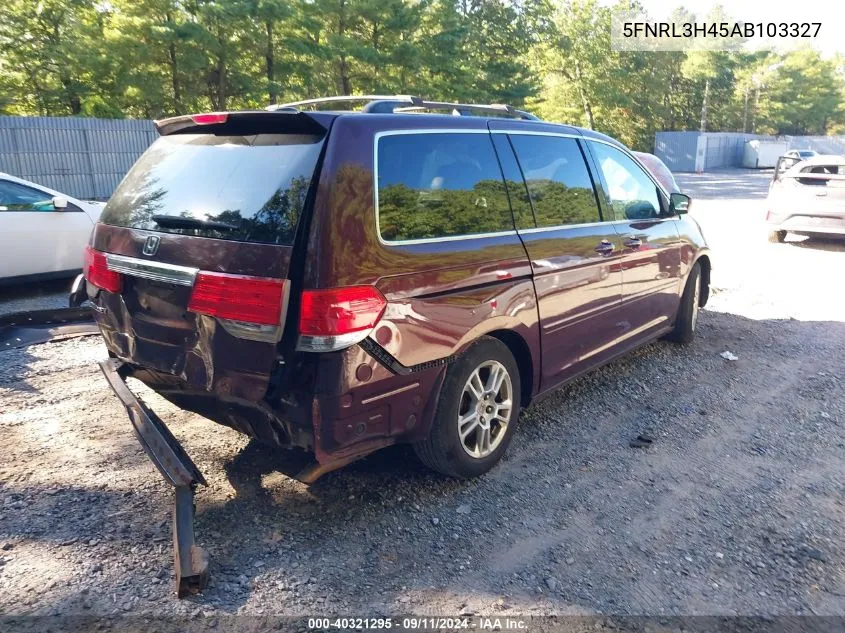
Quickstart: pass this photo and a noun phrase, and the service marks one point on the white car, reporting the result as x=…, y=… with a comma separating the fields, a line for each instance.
x=43, y=233
x=807, y=197
x=801, y=154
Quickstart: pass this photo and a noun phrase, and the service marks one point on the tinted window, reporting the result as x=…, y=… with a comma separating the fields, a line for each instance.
x=824, y=169
x=248, y=188
x=558, y=181
x=523, y=215
x=633, y=195
x=15, y=197
x=440, y=185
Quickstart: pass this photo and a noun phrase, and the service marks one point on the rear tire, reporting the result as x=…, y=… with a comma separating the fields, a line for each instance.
x=476, y=414
x=687, y=319
x=777, y=237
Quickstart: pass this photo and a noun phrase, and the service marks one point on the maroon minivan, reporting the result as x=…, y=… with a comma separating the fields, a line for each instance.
x=338, y=282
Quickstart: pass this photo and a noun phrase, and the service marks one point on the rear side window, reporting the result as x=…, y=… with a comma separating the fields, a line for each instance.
x=558, y=181
x=245, y=188
x=435, y=185
x=824, y=169
x=15, y=197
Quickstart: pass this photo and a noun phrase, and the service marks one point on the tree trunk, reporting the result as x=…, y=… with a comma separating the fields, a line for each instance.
x=270, y=61
x=221, y=71
x=754, y=115
x=704, y=105
x=344, y=85
x=745, y=112
x=74, y=101
x=174, y=71
x=375, y=42
x=588, y=108
x=174, y=77
x=221, y=83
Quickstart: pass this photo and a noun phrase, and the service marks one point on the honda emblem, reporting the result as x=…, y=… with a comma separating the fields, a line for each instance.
x=151, y=245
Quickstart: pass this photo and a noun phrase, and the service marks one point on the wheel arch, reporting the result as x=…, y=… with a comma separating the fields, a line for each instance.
x=524, y=361
x=706, y=269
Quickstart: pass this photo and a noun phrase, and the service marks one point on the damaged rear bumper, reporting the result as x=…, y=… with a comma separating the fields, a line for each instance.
x=178, y=470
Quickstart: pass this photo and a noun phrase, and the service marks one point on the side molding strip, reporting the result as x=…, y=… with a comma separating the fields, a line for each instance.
x=385, y=358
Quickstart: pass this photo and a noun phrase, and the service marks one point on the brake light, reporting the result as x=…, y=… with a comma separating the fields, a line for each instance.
x=340, y=311
x=96, y=271
x=238, y=297
x=210, y=118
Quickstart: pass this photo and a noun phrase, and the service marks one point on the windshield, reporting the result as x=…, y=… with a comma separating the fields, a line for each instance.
x=246, y=188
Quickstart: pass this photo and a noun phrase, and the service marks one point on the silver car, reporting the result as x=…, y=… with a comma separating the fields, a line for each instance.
x=807, y=197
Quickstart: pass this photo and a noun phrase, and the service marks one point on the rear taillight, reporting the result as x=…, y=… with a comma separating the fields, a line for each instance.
x=210, y=118
x=238, y=297
x=335, y=318
x=97, y=273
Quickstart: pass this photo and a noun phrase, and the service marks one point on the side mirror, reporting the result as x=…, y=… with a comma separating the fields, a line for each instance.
x=59, y=203
x=679, y=203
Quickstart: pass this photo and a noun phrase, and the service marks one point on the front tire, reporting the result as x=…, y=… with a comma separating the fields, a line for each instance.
x=777, y=237
x=476, y=414
x=687, y=319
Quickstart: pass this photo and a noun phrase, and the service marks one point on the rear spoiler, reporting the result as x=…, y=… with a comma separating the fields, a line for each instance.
x=283, y=120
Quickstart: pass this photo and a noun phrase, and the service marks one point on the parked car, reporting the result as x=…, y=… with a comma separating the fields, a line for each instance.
x=807, y=197
x=659, y=170
x=342, y=281
x=43, y=233
x=801, y=154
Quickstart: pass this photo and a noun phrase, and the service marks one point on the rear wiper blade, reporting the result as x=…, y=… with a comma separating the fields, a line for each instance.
x=179, y=222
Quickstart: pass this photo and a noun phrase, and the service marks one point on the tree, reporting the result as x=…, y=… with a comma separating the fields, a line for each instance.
x=155, y=58
x=578, y=53
x=803, y=93
x=48, y=49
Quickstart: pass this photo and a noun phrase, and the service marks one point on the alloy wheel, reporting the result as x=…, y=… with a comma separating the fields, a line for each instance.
x=485, y=409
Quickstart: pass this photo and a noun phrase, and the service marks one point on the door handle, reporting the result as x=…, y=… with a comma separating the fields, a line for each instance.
x=633, y=242
x=605, y=247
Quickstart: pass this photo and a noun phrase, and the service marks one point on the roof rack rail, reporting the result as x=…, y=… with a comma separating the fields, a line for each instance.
x=408, y=103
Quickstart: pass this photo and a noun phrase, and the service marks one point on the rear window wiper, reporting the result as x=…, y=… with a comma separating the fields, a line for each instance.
x=180, y=222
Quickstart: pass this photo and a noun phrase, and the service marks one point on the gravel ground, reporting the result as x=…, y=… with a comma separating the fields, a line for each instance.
x=736, y=507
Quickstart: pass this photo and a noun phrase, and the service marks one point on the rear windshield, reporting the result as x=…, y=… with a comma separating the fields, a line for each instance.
x=246, y=188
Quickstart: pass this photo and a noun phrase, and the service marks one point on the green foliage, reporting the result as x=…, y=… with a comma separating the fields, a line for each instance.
x=154, y=58
x=406, y=213
x=632, y=95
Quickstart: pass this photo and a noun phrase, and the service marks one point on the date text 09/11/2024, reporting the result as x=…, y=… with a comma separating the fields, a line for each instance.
x=420, y=624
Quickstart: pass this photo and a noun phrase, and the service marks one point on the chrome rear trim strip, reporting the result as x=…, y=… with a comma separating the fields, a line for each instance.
x=387, y=394
x=157, y=271
x=307, y=343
